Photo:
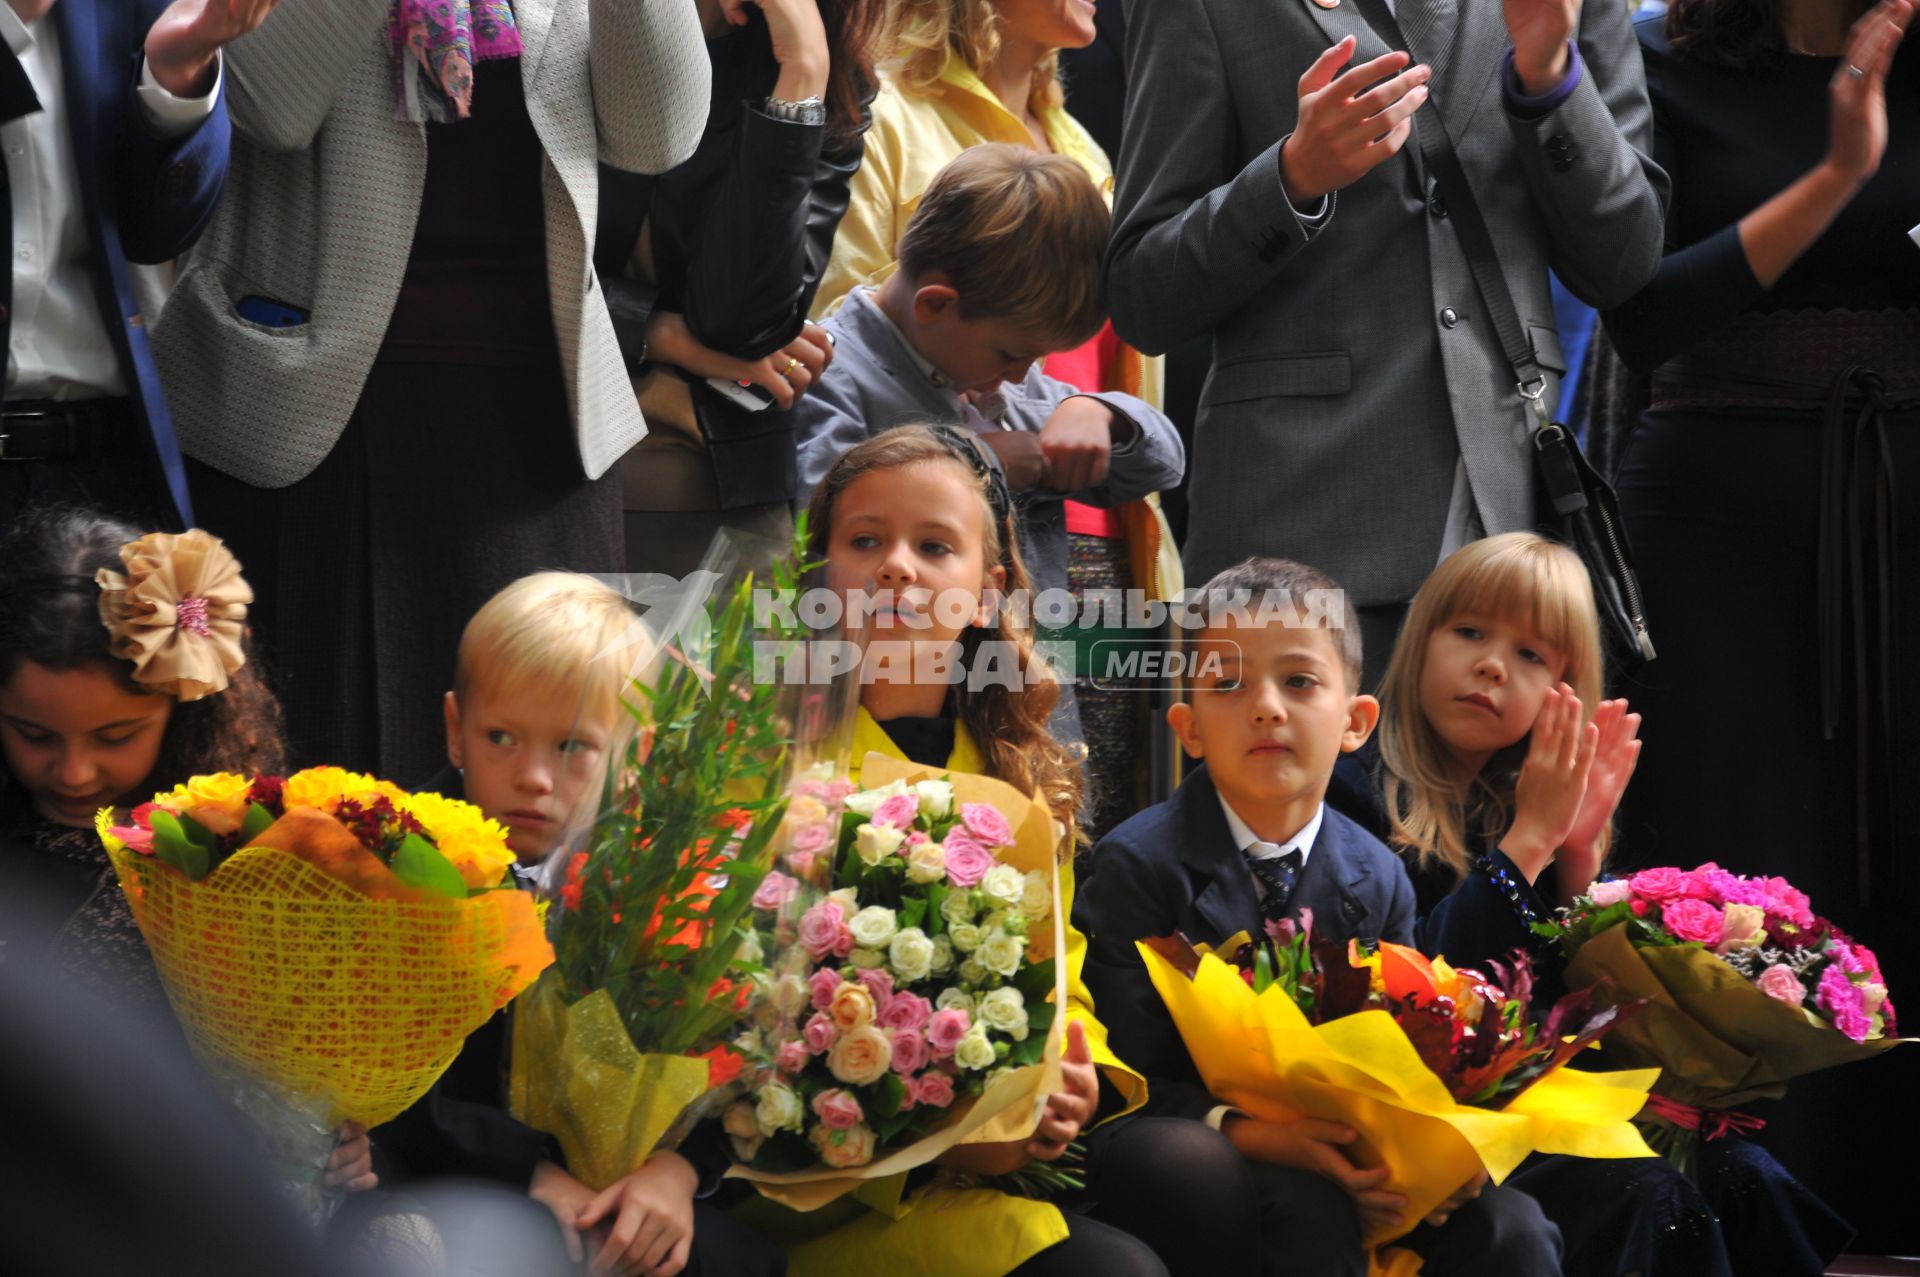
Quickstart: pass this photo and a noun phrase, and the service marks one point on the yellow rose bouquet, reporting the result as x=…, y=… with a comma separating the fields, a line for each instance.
x=327, y=939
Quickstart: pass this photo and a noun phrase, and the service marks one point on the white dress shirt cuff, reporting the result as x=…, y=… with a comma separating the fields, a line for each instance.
x=171, y=116
x=1219, y=1113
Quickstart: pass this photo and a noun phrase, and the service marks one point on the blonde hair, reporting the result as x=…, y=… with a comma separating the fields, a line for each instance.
x=1021, y=236
x=1518, y=577
x=1009, y=724
x=923, y=34
x=553, y=634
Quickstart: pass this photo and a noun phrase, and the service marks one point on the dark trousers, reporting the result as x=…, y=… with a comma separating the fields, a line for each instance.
x=1184, y=1189
x=1722, y=512
x=112, y=473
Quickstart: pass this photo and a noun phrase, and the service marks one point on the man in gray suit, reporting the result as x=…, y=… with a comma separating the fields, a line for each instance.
x=1360, y=415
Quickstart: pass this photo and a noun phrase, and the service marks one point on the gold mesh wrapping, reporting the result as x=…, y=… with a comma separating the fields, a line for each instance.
x=279, y=968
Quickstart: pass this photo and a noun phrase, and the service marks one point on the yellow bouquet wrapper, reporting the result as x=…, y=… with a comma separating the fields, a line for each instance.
x=1718, y=1039
x=1259, y=1053
x=577, y=1075
x=284, y=970
x=1010, y=1108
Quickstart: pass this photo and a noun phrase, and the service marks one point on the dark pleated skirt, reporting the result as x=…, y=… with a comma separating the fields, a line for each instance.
x=449, y=482
x=1722, y=509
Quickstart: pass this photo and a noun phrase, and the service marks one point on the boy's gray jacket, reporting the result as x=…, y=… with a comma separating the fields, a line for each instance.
x=1354, y=366
x=325, y=192
x=874, y=384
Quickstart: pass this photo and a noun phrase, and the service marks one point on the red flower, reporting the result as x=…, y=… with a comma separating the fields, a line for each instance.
x=735, y=818
x=723, y=1065
x=570, y=895
x=577, y=866
x=269, y=792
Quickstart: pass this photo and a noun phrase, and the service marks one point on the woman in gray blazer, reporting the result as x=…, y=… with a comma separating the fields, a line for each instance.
x=394, y=373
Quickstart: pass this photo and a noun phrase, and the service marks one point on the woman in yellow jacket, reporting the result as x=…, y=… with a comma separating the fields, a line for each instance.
x=868, y=519
x=973, y=71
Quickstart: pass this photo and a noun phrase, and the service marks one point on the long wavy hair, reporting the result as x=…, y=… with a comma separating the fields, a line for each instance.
x=923, y=34
x=855, y=30
x=1520, y=577
x=1736, y=34
x=50, y=615
x=1009, y=724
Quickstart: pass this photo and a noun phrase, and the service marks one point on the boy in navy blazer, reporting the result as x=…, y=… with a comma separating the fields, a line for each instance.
x=1271, y=703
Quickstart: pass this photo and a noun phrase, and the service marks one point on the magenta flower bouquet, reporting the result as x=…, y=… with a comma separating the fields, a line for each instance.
x=1746, y=989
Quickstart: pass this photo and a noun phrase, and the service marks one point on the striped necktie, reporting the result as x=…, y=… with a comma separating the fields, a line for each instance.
x=1429, y=27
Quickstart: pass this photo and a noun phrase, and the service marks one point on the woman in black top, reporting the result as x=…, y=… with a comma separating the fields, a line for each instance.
x=1782, y=335
x=720, y=259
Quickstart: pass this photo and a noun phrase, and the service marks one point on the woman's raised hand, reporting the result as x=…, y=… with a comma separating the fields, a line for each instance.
x=1553, y=782
x=799, y=43
x=1857, y=117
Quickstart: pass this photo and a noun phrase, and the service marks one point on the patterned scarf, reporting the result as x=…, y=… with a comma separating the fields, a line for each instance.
x=435, y=44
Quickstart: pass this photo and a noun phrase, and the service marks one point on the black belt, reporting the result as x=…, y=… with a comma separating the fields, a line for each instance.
x=46, y=430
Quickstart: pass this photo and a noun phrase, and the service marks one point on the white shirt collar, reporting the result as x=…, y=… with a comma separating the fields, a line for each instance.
x=1254, y=848
x=16, y=33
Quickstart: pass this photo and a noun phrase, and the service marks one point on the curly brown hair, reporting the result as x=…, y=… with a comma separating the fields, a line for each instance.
x=1737, y=34
x=50, y=615
x=1008, y=723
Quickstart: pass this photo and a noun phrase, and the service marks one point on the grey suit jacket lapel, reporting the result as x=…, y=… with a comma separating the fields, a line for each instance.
x=1479, y=41
x=1345, y=19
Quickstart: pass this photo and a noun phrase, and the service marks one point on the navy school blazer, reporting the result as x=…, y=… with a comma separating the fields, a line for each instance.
x=1175, y=867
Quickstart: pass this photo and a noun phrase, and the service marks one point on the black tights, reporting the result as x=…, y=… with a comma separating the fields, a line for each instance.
x=1093, y=1249
x=1184, y=1189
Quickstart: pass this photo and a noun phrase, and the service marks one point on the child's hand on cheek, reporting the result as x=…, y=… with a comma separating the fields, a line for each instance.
x=1614, y=759
x=1553, y=783
x=1078, y=441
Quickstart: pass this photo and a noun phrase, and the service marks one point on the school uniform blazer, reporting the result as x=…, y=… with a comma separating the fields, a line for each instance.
x=1175, y=868
x=325, y=193
x=1354, y=365
x=144, y=198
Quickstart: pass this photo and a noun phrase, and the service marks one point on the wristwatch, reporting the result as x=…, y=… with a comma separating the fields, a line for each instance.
x=805, y=111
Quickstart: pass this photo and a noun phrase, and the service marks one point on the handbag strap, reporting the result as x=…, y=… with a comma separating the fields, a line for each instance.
x=1436, y=149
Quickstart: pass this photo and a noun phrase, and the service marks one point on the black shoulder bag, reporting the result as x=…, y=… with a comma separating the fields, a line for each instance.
x=1577, y=505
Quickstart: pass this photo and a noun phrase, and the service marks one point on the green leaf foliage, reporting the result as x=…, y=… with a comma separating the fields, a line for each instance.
x=418, y=863
x=175, y=844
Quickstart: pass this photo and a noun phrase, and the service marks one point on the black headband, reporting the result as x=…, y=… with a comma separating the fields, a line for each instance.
x=966, y=448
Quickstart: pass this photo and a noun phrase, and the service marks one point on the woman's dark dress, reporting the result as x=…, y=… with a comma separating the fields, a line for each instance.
x=1722, y=509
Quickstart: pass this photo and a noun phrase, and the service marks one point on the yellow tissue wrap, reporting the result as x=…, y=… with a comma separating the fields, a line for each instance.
x=1259, y=1053
x=577, y=1076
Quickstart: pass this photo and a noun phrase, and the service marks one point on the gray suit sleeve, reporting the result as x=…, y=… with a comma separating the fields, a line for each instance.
x=1195, y=234
x=1590, y=166
x=284, y=75
x=651, y=82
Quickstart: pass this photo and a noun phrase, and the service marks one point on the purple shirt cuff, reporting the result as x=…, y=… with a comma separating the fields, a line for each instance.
x=1533, y=108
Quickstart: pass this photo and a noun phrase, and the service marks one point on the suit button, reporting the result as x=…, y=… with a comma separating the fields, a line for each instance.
x=1558, y=139
x=1436, y=205
x=1449, y=317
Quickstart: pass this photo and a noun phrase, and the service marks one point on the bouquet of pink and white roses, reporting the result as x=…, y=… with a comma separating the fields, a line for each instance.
x=1746, y=988
x=912, y=990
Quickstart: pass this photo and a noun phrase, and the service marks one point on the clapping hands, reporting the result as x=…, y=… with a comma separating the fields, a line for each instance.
x=1570, y=785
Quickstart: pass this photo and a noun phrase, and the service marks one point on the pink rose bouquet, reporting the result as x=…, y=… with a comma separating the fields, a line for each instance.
x=911, y=987
x=1746, y=988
